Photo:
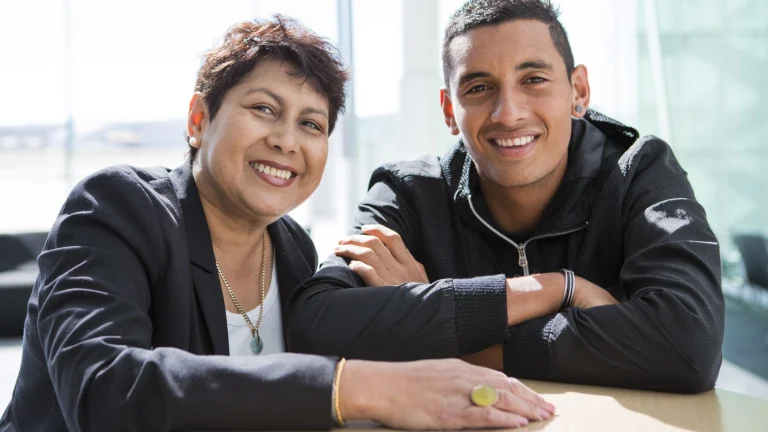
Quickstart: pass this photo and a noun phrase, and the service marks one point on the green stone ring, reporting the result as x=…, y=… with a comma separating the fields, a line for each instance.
x=483, y=395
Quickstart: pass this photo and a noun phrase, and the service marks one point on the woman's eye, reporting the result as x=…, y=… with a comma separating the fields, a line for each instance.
x=263, y=108
x=313, y=125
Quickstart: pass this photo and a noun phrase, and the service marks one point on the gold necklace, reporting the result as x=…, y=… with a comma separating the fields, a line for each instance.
x=257, y=344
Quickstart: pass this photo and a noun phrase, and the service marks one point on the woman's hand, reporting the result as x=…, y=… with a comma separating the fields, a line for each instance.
x=435, y=394
x=380, y=257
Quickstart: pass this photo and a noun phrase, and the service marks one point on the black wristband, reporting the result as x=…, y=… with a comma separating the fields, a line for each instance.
x=569, y=290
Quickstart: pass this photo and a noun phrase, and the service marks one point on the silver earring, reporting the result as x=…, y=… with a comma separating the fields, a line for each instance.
x=579, y=109
x=193, y=141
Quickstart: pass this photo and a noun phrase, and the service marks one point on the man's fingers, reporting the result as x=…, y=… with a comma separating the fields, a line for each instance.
x=373, y=243
x=367, y=273
x=360, y=253
x=391, y=240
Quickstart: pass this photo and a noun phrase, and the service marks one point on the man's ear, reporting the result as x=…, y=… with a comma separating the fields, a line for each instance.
x=581, y=92
x=447, y=106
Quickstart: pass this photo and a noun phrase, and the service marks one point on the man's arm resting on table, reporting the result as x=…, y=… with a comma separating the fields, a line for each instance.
x=668, y=335
x=379, y=257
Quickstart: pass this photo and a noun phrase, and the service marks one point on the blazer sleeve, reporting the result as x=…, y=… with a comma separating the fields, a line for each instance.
x=103, y=254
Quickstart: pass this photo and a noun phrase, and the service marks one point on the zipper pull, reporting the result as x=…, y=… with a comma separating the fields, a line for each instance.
x=523, y=261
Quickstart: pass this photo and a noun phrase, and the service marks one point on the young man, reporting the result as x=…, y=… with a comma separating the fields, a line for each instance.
x=537, y=184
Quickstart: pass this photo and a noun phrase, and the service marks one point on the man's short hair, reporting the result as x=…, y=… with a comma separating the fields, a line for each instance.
x=477, y=13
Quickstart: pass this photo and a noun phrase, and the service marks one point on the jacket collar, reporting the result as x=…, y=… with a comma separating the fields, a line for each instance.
x=592, y=139
x=202, y=261
x=292, y=267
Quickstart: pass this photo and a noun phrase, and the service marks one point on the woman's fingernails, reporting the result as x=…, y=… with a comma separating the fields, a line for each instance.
x=522, y=421
x=544, y=414
x=549, y=407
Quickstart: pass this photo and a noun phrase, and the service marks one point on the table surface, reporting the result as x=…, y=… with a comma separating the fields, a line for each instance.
x=587, y=408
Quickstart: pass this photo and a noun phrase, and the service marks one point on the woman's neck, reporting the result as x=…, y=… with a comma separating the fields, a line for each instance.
x=236, y=241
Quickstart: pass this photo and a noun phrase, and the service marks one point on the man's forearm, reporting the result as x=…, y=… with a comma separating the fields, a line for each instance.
x=534, y=296
x=528, y=297
x=491, y=357
x=531, y=297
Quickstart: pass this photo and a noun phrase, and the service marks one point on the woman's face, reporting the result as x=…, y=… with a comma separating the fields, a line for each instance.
x=264, y=152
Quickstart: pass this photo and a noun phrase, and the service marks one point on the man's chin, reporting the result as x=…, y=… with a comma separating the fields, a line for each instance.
x=511, y=181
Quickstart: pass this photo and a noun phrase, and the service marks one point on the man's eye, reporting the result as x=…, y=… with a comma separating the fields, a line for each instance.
x=535, y=80
x=478, y=88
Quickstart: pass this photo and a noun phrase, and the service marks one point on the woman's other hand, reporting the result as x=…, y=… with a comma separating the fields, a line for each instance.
x=435, y=394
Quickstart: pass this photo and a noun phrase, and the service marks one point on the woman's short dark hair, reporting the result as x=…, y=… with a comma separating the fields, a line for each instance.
x=314, y=59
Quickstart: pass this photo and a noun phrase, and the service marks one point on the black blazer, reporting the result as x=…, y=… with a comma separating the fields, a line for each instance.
x=126, y=326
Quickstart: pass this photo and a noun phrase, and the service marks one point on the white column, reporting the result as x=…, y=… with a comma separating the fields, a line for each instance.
x=603, y=36
x=420, y=122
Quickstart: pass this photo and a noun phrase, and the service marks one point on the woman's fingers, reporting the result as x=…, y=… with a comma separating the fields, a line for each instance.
x=490, y=417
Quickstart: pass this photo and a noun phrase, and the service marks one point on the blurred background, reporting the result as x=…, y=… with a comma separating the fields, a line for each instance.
x=87, y=84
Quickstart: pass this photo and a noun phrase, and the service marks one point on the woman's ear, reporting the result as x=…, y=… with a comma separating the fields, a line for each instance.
x=196, y=119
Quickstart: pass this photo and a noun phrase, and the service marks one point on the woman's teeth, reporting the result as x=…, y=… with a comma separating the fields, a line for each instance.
x=274, y=172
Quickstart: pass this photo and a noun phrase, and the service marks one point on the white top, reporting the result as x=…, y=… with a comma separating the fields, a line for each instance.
x=270, y=330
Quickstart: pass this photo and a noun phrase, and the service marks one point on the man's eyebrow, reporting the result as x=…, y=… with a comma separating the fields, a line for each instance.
x=465, y=78
x=530, y=64
x=535, y=64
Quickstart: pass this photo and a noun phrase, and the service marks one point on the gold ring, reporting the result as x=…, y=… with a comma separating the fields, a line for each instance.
x=483, y=395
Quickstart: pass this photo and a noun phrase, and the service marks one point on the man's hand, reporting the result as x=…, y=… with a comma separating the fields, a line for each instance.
x=380, y=257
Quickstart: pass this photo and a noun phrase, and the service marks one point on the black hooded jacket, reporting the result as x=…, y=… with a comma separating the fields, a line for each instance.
x=625, y=217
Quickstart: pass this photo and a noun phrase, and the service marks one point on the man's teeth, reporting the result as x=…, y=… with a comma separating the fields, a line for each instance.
x=514, y=142
x=274, y=172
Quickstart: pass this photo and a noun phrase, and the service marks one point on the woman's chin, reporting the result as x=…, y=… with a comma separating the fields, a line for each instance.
x=271, y=211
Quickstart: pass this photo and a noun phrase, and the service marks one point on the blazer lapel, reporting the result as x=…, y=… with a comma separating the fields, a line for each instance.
x=202, y=262
x=291, y=265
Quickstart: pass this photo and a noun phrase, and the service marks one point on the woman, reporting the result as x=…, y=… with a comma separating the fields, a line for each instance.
x=161, y=292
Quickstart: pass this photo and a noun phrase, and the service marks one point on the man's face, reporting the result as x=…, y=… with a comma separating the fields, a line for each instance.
x=512, y=101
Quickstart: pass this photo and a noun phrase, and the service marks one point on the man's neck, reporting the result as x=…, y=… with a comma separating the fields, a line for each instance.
x=519, y=209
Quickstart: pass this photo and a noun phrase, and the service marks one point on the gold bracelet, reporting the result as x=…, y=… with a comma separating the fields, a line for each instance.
x=336, y=380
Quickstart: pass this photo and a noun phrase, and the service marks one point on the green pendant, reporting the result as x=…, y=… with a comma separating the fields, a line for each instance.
x=257, y=345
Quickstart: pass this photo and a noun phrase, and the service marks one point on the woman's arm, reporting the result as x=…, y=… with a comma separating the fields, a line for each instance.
x=93, y=303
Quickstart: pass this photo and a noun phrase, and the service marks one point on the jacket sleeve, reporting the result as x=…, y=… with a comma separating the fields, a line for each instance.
x=104, y=253
x=668, y=335
x=335, y=313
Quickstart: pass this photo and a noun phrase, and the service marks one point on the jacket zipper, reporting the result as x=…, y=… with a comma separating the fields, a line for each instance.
x=522, y=258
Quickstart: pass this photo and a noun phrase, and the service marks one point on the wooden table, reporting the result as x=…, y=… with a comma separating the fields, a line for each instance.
x=586, y=408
